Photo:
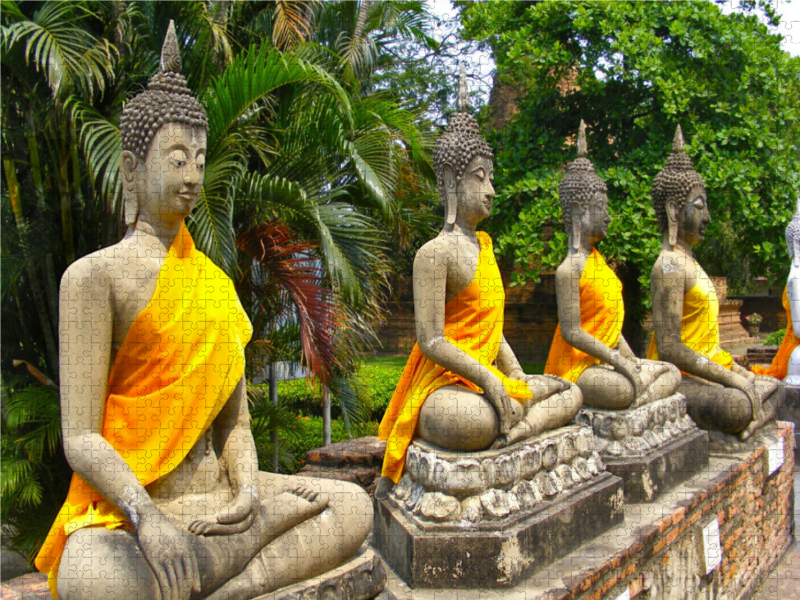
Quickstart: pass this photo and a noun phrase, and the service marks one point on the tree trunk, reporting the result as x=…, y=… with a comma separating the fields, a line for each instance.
x=326, y=415
x=51, y=348
x=64, y=189
x=273, y=397
x=361, y=21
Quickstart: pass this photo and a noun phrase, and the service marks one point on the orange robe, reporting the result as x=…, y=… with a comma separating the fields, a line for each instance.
x=700, y=322
x=178, y=365
x=780, y=363
x=602, y=314
x=474, y=324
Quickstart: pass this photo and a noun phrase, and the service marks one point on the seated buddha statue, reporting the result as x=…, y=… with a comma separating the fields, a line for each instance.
x=462, y=388
x=720, y=395
x=166, y=500
x=588, y=347
x=786, y=363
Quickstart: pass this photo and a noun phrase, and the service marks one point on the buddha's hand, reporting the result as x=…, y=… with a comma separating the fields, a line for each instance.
x=631, y=369
x=170, y=556
x=237, y=517
x=509, y=411
x=748, y=389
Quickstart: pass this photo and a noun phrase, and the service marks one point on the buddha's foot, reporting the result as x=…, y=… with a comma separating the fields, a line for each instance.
x=285, y=511
x=500, y=442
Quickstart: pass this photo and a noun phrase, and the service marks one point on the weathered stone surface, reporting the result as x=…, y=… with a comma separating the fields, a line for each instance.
x=648, y=475
x=501, y=552
x=361, y=578
x=552, y=463
x=790, y=410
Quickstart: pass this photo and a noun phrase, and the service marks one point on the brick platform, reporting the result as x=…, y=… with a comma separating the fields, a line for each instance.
x=656, y=552
x=358, y=461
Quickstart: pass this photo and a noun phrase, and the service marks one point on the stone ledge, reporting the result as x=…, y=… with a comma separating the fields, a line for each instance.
x=655, y=553
x=360, y=578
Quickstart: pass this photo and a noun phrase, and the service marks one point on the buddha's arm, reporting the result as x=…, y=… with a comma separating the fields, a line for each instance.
x=234, y=436
x=86, y=321
x=668, y=288
x=430, y=277
x=568, y=277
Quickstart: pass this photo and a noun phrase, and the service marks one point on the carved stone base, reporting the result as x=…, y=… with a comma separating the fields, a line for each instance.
x=488, y=519
x=663, y=468
x=360, y=578
x=652, y=448
x=725, y=444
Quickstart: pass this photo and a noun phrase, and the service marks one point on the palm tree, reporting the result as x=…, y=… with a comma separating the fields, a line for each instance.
x=299, y=191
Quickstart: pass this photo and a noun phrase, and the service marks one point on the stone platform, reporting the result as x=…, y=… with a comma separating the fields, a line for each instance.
x=658, y=553
x=652, y=447
x=489, y=519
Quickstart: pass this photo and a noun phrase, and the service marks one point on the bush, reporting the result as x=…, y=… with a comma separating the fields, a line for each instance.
x=775, y=338
x=380, y=382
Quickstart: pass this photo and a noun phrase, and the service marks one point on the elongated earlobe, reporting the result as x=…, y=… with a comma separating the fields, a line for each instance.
x=451, y=197
x=128, y=162
x=672, y=217
x=576, y=211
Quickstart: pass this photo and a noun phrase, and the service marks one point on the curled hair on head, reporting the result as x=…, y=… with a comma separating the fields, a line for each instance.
x=674, y=182
x=166, y=100
x=460, y=142
x=580, y=183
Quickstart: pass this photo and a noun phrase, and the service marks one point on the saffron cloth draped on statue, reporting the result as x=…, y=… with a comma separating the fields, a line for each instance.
x=602, y=315
x=780, y=364
x=699, y=324
x=178, y=365
x=473, y=323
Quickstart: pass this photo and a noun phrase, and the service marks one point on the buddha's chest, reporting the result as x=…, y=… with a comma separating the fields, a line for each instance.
x=134, y=284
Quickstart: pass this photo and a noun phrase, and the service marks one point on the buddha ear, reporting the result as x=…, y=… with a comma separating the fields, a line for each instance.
x=127, y=166
x=577, y=217
x=672, y=222
x=451, y=197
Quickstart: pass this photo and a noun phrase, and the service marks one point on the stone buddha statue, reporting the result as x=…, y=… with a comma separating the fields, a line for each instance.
x=588, y=347
x=166, y=500
x=720, y=394
x=462, y=388
x=786, y=363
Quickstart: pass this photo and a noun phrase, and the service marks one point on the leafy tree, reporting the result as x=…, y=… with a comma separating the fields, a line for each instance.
x=633, y=71
x=298, y=201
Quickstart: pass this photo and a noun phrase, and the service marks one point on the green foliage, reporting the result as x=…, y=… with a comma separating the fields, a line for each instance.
x=380, y=381
x=634, y=71
x=775, y=338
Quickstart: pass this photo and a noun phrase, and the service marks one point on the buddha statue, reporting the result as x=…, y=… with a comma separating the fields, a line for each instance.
x=720, y=395
x=462, y=388
x=786, y=363
x=588, y=347
x=166, y=500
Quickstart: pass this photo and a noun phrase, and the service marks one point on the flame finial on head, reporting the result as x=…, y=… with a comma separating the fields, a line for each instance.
x=170, y=53
x=677, y=141
x=463, y=94
x=582, y=148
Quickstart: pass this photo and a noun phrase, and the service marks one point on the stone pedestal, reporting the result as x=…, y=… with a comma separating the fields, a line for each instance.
x=489, y=519
x=652, y=448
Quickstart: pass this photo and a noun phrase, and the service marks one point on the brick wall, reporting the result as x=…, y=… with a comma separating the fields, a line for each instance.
x=659, y=558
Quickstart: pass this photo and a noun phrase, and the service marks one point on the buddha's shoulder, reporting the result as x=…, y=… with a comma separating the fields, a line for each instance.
x=98, y=266
x=439, y=248
x=672, y=263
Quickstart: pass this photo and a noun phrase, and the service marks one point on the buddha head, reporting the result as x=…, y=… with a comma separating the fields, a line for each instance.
x=463, y=163
x=163, y=131
x=679, y=198
x=584, y=203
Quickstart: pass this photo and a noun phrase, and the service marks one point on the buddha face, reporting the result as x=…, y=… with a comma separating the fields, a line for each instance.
x=474, y=192
x=693, y=218
x=595, y=219
x=167, y=184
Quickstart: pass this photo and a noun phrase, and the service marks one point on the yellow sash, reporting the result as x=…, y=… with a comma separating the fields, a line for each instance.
x=474, y=323
x=699, y=324
x=602, y=315
x=176, y=369
x=780, y=363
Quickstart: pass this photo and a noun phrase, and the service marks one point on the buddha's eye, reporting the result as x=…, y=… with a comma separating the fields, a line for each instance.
x=480, y=174
x=177, y=158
